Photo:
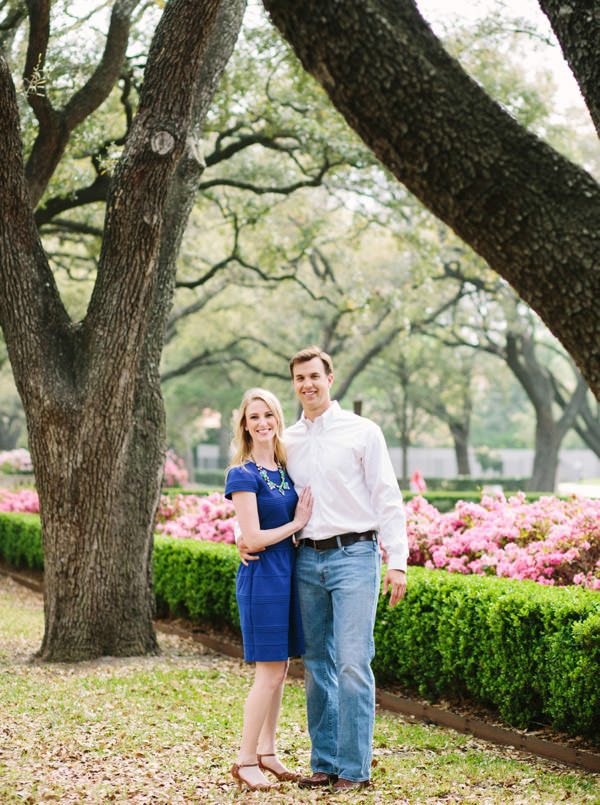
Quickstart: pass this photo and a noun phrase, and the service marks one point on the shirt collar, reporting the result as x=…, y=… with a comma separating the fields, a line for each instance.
x=324, y=418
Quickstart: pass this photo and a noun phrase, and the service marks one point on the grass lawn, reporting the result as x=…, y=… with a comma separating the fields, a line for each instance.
x=165, y=730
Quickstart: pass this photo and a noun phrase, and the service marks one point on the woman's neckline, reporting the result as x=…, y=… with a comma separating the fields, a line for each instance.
x=265, y=466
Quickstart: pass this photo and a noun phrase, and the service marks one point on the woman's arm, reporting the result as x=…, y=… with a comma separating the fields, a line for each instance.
x=256, y=538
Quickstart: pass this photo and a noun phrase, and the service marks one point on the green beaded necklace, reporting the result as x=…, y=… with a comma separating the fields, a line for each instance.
x=271, y=484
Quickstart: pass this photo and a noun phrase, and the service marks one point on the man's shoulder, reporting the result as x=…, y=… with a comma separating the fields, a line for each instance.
x=344, y=416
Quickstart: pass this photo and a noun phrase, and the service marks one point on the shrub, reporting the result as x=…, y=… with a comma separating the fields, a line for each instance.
x=208, y=517
x=196, y=580
x=21, y=540
x=550, y=541
x=175, y=473
x=24, y=500
x=531, y=652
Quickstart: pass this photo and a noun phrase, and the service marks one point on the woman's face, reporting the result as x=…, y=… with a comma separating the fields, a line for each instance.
x=261, y=422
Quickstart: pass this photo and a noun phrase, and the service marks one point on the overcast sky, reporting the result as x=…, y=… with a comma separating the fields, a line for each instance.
x=438, y=12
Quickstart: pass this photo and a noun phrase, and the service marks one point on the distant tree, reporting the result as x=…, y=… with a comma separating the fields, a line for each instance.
x=492, y=320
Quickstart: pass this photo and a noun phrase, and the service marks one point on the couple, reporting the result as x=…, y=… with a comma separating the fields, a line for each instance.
x=318, y=599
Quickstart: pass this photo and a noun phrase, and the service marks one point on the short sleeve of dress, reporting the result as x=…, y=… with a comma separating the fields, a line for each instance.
x=240, y=479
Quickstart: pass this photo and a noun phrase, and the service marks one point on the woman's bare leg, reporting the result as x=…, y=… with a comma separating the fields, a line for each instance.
x=266, y=738
x=262, y=705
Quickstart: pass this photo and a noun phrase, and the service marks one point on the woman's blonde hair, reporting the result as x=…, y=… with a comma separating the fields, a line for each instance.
x=242, y=441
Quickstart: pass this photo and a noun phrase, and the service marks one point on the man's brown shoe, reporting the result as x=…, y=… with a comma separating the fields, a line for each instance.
x=348, y=785
x=317, y=779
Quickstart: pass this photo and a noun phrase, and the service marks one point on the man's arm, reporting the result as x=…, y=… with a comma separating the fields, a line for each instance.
x=386, y=499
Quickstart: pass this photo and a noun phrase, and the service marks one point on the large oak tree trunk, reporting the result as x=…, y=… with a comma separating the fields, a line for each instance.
x=91, y=390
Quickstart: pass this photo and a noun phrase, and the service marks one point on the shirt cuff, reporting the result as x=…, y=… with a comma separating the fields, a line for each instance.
x=396, y=560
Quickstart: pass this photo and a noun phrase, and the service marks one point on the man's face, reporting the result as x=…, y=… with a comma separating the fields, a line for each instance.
x=312, y=385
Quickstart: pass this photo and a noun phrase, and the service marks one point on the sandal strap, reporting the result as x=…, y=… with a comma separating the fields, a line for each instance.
x=270, y=754
x=246, y=765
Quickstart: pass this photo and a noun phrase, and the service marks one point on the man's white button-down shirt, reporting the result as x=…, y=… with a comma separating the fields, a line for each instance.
x=345, y=461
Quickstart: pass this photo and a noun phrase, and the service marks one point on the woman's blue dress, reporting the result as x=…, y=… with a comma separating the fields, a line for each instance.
x=266, y=589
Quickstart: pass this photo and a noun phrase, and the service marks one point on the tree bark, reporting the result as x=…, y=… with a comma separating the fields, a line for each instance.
x=90, y=390
x=531, y=213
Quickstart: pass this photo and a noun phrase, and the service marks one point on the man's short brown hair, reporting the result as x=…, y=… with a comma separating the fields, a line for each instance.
x=307, y=355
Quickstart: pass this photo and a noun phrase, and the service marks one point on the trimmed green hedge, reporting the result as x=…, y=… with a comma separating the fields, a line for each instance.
x=467, y=484
x=21, y=540
x=530, y=651
x=196, y=579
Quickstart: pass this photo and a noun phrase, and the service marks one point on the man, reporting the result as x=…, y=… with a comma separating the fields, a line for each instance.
x=344, y=460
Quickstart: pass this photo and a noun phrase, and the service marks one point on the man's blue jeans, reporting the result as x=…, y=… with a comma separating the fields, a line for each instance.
x=338, y=590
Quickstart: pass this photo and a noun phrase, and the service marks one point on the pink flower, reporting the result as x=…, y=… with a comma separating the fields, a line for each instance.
x=24, y=500
x=550, y=541
x=175, y=473
x=193, y=517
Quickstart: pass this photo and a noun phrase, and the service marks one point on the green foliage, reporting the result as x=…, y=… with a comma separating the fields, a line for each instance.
x=472, y=483
x=196, y=579
x=210, y=478
x=529, y=651
x=21, y=540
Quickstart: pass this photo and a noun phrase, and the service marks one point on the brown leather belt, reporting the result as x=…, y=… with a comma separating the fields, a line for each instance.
x=344, y=539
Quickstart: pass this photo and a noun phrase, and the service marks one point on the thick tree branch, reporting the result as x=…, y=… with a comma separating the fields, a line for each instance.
x=271, y=142
x=91, y=194
x=33, y=74
x=127, y=270
x=531, y=213
x=33, y=318
x=228, y=353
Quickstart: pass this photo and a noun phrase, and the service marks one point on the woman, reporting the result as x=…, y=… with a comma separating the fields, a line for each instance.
x=269, y=513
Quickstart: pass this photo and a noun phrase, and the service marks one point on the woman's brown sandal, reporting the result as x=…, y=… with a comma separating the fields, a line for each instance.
x=235, y=772
x=284, y=776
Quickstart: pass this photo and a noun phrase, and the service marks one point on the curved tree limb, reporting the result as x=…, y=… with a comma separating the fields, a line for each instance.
x=531, y=213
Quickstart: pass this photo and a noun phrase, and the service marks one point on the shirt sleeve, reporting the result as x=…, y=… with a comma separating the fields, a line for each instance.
x=240, y=479
x=386, y=499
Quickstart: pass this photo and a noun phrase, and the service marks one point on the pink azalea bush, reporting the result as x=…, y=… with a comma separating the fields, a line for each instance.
x=24, y=500
x=209, y=517
x=175, y=471
x=550, y=541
